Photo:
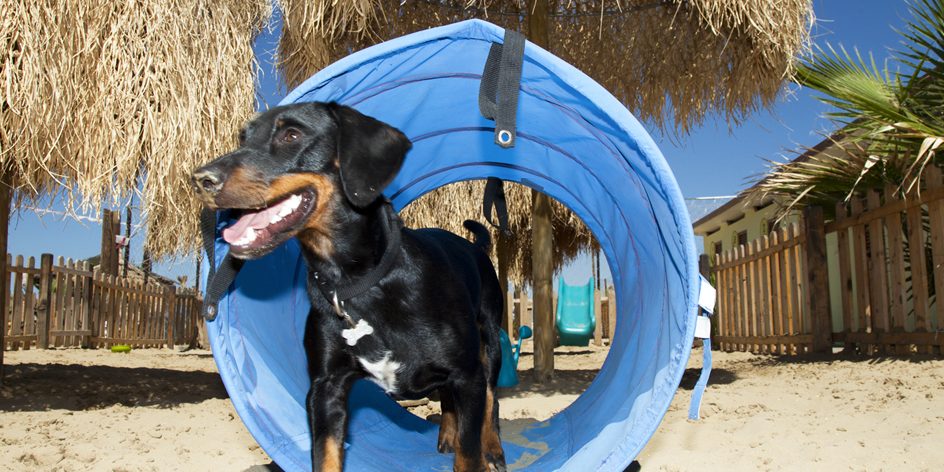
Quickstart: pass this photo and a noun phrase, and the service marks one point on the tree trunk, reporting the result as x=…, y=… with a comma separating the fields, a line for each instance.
x=542, y=267
x=111, y=224
x=5, y=194
x=503, y=279
x=196, y=279
x=127, y=248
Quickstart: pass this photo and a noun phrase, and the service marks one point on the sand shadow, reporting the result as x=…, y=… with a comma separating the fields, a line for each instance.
x=41, y=387
x=568, y=382
x=846, y=356
x=717, y=377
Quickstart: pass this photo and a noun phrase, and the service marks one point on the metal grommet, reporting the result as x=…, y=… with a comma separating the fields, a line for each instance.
x=504, y=137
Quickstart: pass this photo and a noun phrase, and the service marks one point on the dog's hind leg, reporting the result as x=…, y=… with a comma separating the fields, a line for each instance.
x=491, y=440
x=490, y=354
x=327, y=418
x=469, y=392
x=449, y=426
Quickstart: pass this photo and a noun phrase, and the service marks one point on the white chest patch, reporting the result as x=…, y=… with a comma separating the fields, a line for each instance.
x=382, y=372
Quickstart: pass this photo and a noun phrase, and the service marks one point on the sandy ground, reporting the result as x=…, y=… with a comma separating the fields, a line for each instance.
x=150, y=410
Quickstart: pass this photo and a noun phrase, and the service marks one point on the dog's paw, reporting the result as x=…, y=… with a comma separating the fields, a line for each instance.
x=495, y=463
x=445, y=447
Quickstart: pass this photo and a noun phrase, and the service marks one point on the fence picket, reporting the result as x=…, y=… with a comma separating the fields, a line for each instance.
x=896, y=268
x=933, y=176
x=29, y=298
x=776, y=300
x=845, y=272
x=863, y=278
x=877, y=267
x=16, y=310
x=745, y=297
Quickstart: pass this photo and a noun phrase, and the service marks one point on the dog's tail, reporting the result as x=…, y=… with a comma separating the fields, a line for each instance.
x=480, y=233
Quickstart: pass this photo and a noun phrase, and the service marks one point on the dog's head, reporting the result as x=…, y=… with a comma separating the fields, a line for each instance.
x=294, y=167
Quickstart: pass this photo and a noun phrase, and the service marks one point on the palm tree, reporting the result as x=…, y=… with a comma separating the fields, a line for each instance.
x=892, y=119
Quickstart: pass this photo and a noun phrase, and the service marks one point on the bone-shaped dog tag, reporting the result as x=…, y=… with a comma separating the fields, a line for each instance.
x=361, y=329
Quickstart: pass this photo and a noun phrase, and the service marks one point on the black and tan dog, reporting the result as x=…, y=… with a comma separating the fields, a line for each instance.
x=416, y=311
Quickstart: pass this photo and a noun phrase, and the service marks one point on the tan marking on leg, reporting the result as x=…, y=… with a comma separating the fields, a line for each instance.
x=449, y=426
x=491, y=442
x=333, y=456
x=465, y=463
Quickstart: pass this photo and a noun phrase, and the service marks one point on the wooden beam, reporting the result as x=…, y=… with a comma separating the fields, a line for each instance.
x=545, y=333
x=45, y=300
x=542, y=254
x=818, y=279
x=5, y=197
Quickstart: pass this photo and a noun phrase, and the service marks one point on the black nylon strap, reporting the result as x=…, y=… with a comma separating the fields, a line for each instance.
x=391, y=251
x=218, y=279
x=498, y=92
x=495, y=197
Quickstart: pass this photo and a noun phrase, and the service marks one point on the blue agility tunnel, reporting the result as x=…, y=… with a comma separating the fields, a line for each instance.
x=575, y=142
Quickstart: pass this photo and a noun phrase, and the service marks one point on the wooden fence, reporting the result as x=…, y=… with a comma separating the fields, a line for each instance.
x=773, y=293
x=66, y=305
x=519, y=311
x=761, y=305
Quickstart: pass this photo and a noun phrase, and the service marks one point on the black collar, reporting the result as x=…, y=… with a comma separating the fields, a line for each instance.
x=338, y=295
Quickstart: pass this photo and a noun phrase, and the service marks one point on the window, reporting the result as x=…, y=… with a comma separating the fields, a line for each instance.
x=770, y=226
x=742, y=238
x=718, y=248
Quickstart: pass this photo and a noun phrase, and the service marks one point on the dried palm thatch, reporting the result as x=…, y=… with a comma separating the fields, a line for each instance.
x=103, y=100
x=447, y=207
x=672, y=62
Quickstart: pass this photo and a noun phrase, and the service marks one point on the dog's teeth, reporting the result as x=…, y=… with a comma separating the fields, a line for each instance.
x=248, y=238
x=275, y=219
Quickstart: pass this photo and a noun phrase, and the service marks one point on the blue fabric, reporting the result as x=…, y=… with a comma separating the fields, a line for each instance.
x=694, y=409
x=577, y=143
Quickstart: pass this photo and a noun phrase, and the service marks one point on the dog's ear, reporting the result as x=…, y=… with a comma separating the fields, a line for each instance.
x=370, y=154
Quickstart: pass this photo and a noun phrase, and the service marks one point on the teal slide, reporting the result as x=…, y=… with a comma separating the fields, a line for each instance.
x=575, y=318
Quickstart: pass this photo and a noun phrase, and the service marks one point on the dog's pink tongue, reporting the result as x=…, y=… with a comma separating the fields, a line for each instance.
x=238, y=232
x=257, y=220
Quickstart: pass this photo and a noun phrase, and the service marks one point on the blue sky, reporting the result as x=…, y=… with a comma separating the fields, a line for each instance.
x=713, y=160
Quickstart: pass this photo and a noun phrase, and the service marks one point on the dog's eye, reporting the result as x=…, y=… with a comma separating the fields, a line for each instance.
x=289, y=135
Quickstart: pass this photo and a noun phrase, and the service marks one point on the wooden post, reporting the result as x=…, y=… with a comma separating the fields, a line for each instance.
x=170, y=312
x=704, y=267
x=111, y=223
x=509, y=317
x=542, y=267
x=597, y=311
x=196, y=278
x=127, y=248
x=45, y=299
x=5, y=197
x=503, y=282
x=609, y=326
x=817, y=279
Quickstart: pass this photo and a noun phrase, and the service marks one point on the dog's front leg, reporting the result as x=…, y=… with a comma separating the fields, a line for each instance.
x=327, y=418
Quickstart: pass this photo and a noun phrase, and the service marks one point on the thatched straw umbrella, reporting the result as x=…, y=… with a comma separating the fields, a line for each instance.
x=672, y=62
x=100, y=100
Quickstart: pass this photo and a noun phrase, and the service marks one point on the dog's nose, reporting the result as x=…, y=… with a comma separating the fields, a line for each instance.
x=207, y=181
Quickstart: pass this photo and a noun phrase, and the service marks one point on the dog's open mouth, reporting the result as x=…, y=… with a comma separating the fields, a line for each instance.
x=257, y=230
